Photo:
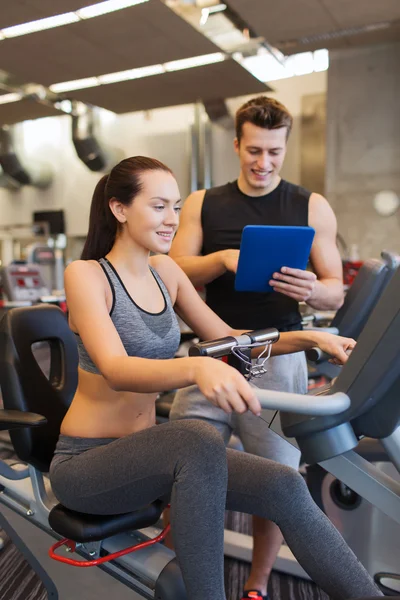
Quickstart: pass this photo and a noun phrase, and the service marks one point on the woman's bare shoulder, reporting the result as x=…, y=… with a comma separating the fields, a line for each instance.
x=79, y=268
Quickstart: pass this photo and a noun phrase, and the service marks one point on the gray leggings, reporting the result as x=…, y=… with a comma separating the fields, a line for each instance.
x=187, y=460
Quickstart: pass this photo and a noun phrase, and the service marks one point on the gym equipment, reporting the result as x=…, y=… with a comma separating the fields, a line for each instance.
x=360, y=300
x=27, y=500
x=366, y=529
x=23, y=282
x=52, y=264
x=371, y=380
x=363, y=398
x=33, y=518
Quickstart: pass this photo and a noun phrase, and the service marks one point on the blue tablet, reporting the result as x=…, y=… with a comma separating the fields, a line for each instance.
x=265, y=249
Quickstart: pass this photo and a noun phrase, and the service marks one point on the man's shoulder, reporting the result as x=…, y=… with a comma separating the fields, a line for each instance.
x=296, y=190
x=220, y=190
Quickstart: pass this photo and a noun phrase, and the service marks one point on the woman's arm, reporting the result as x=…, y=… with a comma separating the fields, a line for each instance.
x=203, y=321
x=85, y=287
x=295, y=341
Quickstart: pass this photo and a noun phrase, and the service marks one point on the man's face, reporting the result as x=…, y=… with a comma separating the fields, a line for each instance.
x=261, y=153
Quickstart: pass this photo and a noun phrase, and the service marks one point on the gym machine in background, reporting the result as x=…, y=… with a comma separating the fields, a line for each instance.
x=349, y=321
x=32, y=261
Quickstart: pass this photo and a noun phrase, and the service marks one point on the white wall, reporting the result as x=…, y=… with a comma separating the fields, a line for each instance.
x=162, y=134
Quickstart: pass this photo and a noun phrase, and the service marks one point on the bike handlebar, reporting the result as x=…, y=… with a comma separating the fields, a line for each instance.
x=316, y=355
x=303, y=405
x=223, y=346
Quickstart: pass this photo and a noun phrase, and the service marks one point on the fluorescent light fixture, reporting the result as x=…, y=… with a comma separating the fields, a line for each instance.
x=87, y=12
x=7, y=98
x=195, y=61
x=40, y=25
x=265, y=67
x=204, y=16
x=130, y=74
x=102, y=8
x=302, y=63
x=76, y=84
x=321, y=60
x=216, y=8
x=175, y=65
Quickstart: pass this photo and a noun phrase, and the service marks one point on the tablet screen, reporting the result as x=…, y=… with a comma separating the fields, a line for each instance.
x=265, y=249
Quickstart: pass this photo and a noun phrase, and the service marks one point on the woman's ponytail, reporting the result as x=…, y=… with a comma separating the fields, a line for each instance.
x=102, y=225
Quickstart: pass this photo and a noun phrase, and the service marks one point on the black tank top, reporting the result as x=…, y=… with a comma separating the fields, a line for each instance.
x=226, y=210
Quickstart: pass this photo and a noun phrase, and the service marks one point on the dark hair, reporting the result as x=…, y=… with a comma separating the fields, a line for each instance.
x=264, y=112
x=124, y=183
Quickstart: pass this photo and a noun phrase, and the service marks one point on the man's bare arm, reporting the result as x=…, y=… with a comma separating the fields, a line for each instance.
x=186, y=247
x=325, y=257
x=322, y=289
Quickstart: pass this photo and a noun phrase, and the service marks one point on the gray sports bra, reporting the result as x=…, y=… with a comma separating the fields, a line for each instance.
x=143, y=334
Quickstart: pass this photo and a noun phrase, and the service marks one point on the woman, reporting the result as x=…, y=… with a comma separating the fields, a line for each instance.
x=110, y=457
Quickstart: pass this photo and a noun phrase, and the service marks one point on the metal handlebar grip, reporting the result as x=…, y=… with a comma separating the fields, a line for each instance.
x=223, y=346
x=316, y=355
x=214, y=348
x=264, y=336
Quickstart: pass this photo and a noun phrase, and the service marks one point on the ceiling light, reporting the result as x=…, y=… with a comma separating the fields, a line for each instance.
x=175, y=65
x=7, y=98
x=87, y=12
x=195, y=61
x=216, y=8
x=40, y=25
x=266, y=68
x=301, y=64
x=76, y=84
x=131, y=74
x=204, y=16
x=102, y=8
x=64, y=106
x=321, y=60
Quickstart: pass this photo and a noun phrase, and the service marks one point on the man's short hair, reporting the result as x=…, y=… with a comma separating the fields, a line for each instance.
x=264, y=112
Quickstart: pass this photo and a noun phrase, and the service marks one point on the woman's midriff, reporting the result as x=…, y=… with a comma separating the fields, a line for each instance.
x=98, y=411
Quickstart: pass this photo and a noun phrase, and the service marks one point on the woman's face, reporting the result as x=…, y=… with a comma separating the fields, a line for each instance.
x=153, y=217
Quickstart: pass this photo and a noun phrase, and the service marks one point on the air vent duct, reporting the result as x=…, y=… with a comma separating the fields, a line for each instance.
x=96, y=156
x=15, y=173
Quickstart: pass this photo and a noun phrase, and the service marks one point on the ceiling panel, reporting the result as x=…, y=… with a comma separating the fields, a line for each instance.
x=15, y=12
x=15, y=112
x=142, y=35
x=356, y=13
x=284, y=20
x=382, y=36
x=283, y=24
x=221, y=80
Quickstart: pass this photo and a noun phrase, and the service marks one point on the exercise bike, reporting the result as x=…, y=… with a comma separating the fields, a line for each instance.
x=326, y=428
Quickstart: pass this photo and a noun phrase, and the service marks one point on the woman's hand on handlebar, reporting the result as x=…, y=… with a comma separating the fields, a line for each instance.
x=338, y=347
x=225, y=387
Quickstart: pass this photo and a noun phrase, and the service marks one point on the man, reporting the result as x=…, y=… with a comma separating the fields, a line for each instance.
x=207, y=248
